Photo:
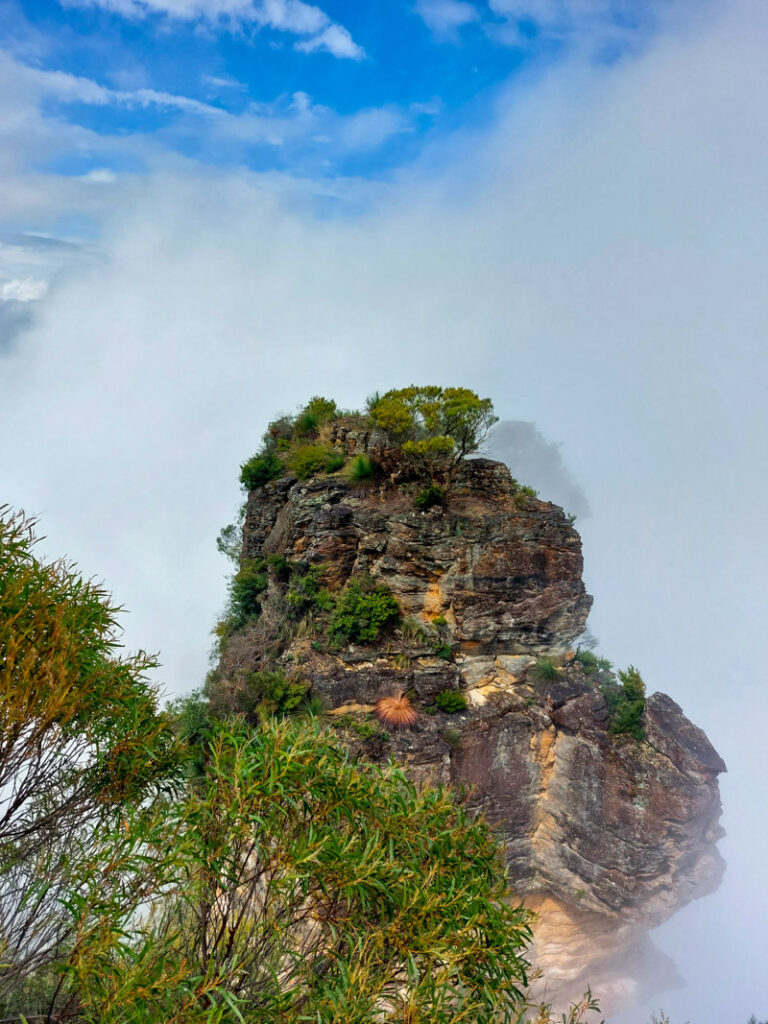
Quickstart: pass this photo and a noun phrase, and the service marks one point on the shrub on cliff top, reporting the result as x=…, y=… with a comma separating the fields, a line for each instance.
x=260, y=469
x=309, y=459
x=316, y=413
x=434, y=427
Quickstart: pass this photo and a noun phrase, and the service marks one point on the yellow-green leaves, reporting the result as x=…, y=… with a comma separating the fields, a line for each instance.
x=436, y=427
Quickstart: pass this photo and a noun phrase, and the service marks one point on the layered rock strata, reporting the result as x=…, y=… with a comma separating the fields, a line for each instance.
x=605, y=836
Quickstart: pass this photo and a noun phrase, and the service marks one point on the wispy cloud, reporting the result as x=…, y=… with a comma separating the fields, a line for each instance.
x=294, y=17
x=23, y=289
x=516, y=22
x=334, y=39
x=445, y=17
x=39, y=123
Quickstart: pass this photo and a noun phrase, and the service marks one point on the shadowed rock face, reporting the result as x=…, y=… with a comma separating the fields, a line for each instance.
x=606, y=837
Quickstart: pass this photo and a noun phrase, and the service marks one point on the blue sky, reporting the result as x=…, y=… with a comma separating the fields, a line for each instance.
x=339, y=89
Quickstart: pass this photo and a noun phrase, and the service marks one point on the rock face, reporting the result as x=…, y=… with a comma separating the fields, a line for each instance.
x=606, y=836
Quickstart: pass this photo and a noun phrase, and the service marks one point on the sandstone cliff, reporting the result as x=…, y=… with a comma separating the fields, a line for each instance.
x=606, y=836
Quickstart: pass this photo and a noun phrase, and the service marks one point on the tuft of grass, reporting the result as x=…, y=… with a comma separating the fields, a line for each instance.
x=545, y=671
x=588, y=661
x=360, y=469
x=413, y=630
x=313, y=707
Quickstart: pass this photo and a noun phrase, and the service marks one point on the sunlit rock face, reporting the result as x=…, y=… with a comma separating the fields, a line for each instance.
x=605, y=836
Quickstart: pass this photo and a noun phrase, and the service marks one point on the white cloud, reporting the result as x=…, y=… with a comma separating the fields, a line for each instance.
x=32, y=134
x=25, y=289
x=368, y=129
x=335, y=40
x=292, y=16
x=100, y=176
x=218, y=82
x=444, y=17
x=593, y=22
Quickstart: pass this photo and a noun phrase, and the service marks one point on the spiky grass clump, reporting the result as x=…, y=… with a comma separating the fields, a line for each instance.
x=397, y=712
x=361, y=469
x=545, y=671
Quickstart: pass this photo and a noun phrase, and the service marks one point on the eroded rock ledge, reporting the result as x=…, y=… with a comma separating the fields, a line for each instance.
x=606, y=836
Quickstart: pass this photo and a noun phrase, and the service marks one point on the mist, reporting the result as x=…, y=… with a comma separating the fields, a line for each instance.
x=597, y=268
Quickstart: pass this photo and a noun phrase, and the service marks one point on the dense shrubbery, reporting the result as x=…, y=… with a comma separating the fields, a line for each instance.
x=260, y=469
x=434, y=428
x=246, y=588
x=451, y=701
x=271, y=693
x=292, y=442
x=306, y=592
x=309, y=459
x=429, y=497
x=303, y=898
x=363, y=610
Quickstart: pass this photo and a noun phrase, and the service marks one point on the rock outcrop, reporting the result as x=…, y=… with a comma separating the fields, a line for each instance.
x=606, y=836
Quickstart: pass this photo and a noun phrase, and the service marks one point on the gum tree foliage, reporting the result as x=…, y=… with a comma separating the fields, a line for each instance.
x=316, y=888
x=436, y=427
x=84, y=753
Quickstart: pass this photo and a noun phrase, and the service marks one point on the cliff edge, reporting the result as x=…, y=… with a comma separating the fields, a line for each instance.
x=607, y=834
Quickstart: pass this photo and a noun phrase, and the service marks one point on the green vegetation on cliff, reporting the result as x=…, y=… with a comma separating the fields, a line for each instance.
x=192, y=868
x=432, y=429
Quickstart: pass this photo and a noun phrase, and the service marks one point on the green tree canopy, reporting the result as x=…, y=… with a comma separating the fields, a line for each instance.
x=436, y=427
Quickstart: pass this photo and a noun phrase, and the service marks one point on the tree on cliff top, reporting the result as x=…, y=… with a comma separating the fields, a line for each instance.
x=435, y=427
